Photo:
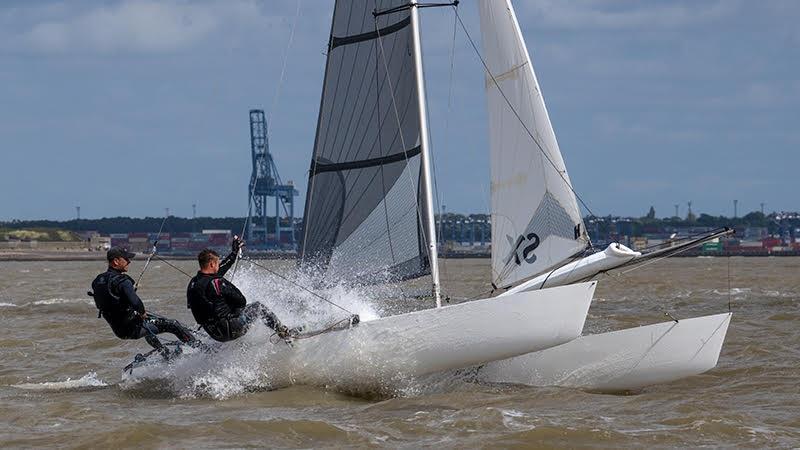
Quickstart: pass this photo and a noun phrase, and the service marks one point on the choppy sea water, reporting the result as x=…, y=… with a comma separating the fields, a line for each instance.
x=61, y=384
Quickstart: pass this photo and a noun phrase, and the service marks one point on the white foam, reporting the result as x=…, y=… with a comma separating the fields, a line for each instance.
x=249, y=363
x=732, y=291
x=86, y=381
x=8, y=304
x=296, y=306
x=62, y=301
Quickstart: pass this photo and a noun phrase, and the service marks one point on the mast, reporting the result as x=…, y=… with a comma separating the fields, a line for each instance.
x=427, y=194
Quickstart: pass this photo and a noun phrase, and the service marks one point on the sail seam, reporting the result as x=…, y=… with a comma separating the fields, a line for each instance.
x=505, y=75
x=318, y=167
x=347, y=40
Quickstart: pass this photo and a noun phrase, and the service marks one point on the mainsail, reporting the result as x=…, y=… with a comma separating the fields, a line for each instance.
x=536, y=222
x=362, y=220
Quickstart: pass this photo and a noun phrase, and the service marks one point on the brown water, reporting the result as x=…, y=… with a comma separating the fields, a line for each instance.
x=60, y=373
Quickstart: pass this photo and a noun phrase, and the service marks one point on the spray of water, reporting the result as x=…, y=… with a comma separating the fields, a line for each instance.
x=259, y=361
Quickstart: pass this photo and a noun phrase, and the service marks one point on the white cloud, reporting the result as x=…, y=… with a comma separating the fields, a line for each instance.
x=593, y=14
x=758, y=94
x=145, y=26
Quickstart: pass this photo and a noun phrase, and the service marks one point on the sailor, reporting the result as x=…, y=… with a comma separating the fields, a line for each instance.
x=219, y=306
x=117, y=302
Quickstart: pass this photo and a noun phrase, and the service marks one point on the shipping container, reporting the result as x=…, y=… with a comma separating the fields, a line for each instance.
x=140, y=247
x=750, y=244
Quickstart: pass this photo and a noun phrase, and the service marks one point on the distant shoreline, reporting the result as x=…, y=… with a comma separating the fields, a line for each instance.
x=66, y=256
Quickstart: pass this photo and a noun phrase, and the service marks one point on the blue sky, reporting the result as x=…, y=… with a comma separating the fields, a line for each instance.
x=129, y=107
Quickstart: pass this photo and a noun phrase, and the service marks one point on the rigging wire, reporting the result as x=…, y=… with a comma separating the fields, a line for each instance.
x=331, y=327
x=252, y=261
x=519, y=118
x=268, y=270
x=152, y=253
x=348, y=320
x=434, y=165
x=729, y=283
x=283, y=65
x=244, y=227
x=158, y=257
x=400, y=132
x=275, y=99
x=380, y=145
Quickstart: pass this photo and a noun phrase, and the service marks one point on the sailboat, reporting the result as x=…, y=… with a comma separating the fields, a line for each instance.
x=369, y=218
x=528, y=173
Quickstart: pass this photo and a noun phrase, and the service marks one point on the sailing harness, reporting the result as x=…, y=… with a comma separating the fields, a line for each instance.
x=106, y=295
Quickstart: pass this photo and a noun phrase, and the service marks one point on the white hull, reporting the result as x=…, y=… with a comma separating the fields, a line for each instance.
x=621, y=360
x=613, y=256
x=390, y=349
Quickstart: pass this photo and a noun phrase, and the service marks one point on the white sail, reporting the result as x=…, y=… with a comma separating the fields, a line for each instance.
x=536, y=222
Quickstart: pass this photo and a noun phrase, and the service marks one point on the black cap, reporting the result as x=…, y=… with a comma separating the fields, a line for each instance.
x=119, y=252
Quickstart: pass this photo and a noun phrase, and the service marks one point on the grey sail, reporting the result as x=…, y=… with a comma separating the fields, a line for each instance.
x=362, y=219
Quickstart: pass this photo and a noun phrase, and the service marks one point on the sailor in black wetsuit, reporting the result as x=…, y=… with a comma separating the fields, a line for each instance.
x=218, y=306
x=116, y=299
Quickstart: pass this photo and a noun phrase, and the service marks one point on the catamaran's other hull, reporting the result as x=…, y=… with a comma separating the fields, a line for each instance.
x=387, y=350
x=621, y=360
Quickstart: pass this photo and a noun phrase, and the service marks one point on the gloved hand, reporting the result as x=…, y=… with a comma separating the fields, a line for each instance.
x=237, y=244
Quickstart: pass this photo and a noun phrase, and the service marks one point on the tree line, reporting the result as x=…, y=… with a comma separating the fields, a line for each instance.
x=173, y=224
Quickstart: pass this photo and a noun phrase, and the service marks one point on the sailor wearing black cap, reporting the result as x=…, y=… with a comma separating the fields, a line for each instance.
x=117, y=302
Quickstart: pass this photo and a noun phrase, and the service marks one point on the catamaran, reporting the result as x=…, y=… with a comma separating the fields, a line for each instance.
x=369, y=216
x=369, y=219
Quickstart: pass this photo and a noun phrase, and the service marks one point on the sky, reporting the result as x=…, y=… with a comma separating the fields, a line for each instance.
x=125, y=108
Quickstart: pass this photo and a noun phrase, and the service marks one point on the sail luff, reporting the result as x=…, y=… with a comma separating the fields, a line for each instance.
x=310, y=186
x=427, y=195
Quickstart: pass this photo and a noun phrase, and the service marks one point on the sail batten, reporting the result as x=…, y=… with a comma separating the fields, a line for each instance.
x=536, y=222
x=362, y=215
x=337, y=41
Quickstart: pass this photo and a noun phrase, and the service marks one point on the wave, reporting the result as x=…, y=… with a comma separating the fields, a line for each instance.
x=733, y=291
x=87, y=381
x=62, y=301
x=8, y=305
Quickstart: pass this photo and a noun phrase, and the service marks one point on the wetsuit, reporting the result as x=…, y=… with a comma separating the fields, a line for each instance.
x=118, y=303
x=221, y=309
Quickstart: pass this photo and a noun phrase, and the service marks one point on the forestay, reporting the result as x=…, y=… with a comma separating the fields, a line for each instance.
x=362, y=219
x=536, y=222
